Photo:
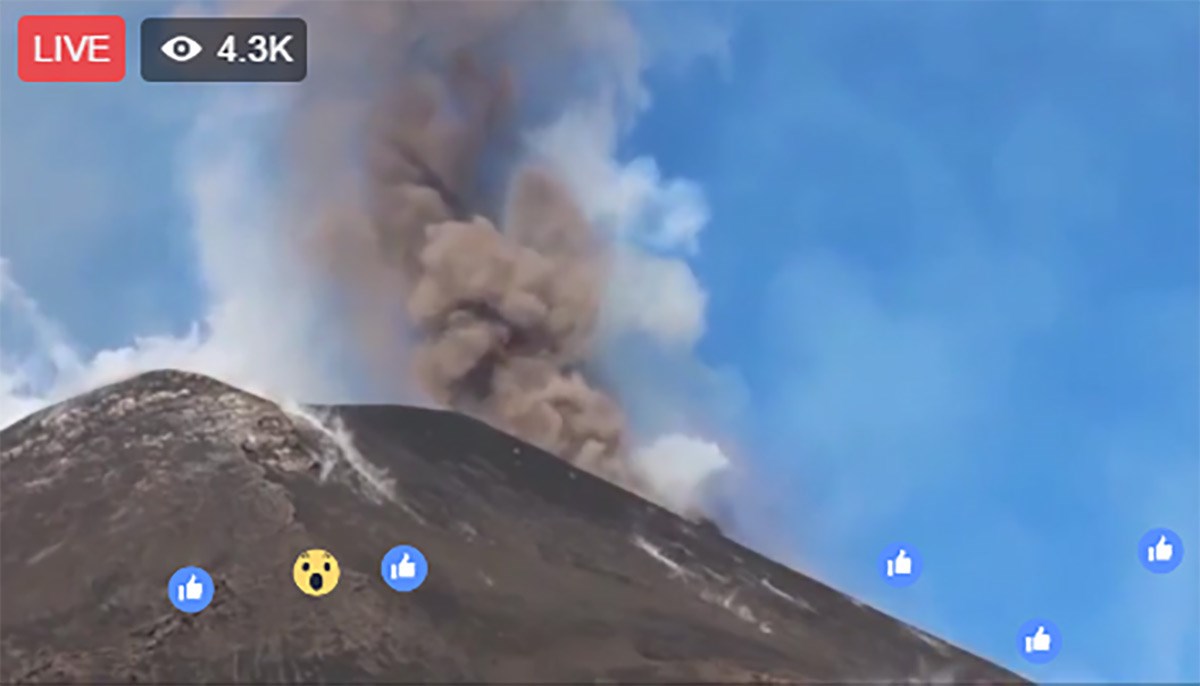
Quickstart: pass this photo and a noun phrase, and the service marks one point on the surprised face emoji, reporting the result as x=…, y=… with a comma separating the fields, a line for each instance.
x=316, y=572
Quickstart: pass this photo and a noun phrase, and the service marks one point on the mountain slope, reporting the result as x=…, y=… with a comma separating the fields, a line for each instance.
x=539, y=572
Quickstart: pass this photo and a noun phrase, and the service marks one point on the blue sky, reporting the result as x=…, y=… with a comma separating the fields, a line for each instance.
x=951, y=264
x=953, y=254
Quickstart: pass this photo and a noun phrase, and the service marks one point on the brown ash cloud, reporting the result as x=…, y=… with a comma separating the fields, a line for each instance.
x=428, y=206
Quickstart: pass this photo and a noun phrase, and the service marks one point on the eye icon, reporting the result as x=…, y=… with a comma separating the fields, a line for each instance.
x=181, y=48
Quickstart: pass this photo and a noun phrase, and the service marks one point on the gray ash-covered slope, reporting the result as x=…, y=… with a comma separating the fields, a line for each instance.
x=539, y=573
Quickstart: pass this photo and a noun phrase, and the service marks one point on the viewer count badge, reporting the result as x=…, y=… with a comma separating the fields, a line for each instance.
x=190, y=589
x=404, y=568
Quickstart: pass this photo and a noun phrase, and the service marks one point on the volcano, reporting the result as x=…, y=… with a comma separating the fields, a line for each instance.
x=538, y=572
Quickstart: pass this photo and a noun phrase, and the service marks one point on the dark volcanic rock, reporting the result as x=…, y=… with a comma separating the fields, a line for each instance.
x=539, y=573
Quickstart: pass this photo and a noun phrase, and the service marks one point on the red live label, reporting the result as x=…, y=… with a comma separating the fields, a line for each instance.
x=71, y=48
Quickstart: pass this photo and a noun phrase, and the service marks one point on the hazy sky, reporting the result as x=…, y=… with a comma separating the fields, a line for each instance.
x=937, y=282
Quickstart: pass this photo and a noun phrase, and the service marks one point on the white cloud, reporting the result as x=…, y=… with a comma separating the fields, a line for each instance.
x=257, y=331
x=677, y=467
x=687, y=35
x=654, y=223
x=631, y=200
x=264, y=318
x=657, y=296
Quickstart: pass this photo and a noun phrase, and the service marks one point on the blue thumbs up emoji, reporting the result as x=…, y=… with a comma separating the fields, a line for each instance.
x=1160, y=550
x=190, y=589
x=404, y=568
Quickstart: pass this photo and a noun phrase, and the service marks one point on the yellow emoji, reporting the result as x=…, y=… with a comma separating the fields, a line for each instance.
x=316, y=572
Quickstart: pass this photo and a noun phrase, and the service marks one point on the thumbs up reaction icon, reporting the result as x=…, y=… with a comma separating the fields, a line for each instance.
x=190, y=589
x=1160, y=550
x=1040, y=640
x=404, y=568
x=900, y=565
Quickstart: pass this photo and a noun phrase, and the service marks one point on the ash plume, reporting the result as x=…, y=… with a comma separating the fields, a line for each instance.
x=499, y=276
